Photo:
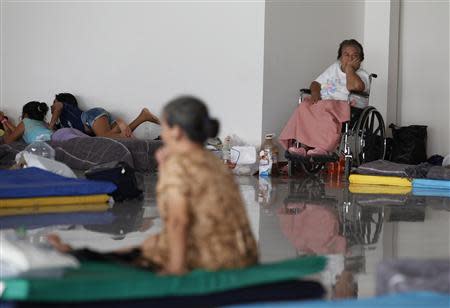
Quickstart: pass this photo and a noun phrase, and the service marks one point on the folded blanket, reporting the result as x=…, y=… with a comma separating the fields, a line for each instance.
x=379, y=180
x=45, y=201
x=431, y=184
x=379, y=189
x=439, y=173
x=387, y=168
x=83, y=153
x=34, y=210
x=382, y=167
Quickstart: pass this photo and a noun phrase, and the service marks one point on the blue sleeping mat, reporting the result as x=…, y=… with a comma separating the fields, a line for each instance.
x=427, y=183
x=416, y=300
x=35, y=182
x=43, y=220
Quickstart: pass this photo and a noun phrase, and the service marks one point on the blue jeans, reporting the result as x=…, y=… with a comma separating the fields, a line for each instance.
x=90, y=116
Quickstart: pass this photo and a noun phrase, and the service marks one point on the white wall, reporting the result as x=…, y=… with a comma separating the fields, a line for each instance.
x=381, y=33
x=424, y=70
x=301, y=41
x=124, y=56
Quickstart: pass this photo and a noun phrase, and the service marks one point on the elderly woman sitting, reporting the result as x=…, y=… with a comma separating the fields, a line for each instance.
x=317, y=122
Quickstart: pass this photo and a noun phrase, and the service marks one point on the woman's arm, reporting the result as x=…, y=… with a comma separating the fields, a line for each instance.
x=56, y=113
x=354, y=82
x=13, y=133
x=177, y=224
x=315, y=88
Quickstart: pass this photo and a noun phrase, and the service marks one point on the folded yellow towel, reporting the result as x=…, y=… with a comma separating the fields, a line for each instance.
x=379, y=180
x=9, y=211
x=44, y=201
x=379, y=189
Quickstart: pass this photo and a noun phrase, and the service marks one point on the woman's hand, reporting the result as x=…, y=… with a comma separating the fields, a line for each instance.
x=56, y=242
x=315, y=97
x=315, y=88
x=352, y=66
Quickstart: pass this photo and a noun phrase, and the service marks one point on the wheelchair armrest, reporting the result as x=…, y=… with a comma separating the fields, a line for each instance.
x=358, y=93
x=305, y=91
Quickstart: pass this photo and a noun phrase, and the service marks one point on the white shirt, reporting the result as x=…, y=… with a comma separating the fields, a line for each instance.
x=334, y=82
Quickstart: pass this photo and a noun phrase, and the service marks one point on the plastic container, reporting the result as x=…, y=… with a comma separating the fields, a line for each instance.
x=226, y=150
x=41, y=148
x=271, y=151
x=265, y=163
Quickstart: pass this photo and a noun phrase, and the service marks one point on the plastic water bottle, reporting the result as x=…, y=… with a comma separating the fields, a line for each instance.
x=271, y=152
x=41, y=148
x=226, y=150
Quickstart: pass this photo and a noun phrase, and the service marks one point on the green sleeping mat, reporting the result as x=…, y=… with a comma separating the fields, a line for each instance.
x=95, y=281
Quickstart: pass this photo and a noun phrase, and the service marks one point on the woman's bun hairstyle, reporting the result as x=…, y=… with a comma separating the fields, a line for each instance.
x=192, y=116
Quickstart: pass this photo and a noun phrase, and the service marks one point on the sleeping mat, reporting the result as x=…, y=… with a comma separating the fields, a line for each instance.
x=102, y=281
x=34, y=182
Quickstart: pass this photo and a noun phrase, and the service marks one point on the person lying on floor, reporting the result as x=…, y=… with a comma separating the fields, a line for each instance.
x=205, y=221
x=99, y=122
x=32, y=127
x=95, y=121
x=317, y=122
x=66, y=113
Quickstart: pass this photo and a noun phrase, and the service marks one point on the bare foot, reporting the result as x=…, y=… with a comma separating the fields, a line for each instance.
x=125, y=130
x=148, y=116
x=56, y=242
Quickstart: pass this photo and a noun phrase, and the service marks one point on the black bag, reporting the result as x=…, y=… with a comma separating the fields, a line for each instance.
x=409, y=144
x=121, y=174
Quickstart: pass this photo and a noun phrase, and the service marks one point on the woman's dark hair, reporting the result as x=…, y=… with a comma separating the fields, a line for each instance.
x=67, y=98
x=352, y=43
x=35, y=110
x=192, y=116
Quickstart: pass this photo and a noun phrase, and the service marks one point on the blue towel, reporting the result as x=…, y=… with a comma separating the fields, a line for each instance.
x=44, y=220
x=416, y=300
x=35, y=182
x=427, y=183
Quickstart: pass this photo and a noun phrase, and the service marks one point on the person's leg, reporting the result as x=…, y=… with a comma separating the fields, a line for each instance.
x=144, y=116
x=102, y=128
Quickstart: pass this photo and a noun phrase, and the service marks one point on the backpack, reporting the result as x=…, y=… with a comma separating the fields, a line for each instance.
x=121, y=174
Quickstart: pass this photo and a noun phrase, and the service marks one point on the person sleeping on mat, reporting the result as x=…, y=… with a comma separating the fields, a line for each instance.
x=205, y=221
x=32, y=127
x=95, y=121
x=317, y=121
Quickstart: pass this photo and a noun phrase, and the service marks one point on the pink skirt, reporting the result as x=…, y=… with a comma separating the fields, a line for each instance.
x=316, y=125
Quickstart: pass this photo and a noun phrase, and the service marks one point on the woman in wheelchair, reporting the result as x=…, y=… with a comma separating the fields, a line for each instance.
x=315, y=127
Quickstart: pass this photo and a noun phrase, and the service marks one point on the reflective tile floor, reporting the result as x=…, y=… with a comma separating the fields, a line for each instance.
x=289, y=217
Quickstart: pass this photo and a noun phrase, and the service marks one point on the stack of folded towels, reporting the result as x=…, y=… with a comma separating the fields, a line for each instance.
x=424, y=179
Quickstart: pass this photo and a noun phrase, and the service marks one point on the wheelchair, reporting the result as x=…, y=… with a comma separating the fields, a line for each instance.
x=363, y=137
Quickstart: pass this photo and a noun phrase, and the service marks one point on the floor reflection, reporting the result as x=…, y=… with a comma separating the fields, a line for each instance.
x=355, y=227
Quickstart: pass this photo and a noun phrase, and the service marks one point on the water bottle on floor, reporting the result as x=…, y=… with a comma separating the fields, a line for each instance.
x=41, y=148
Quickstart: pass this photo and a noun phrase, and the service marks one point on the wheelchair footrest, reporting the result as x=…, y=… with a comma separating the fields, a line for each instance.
x=311, y=159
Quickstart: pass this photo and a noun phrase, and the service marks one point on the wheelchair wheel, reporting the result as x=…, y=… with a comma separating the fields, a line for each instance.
x=370, y=137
